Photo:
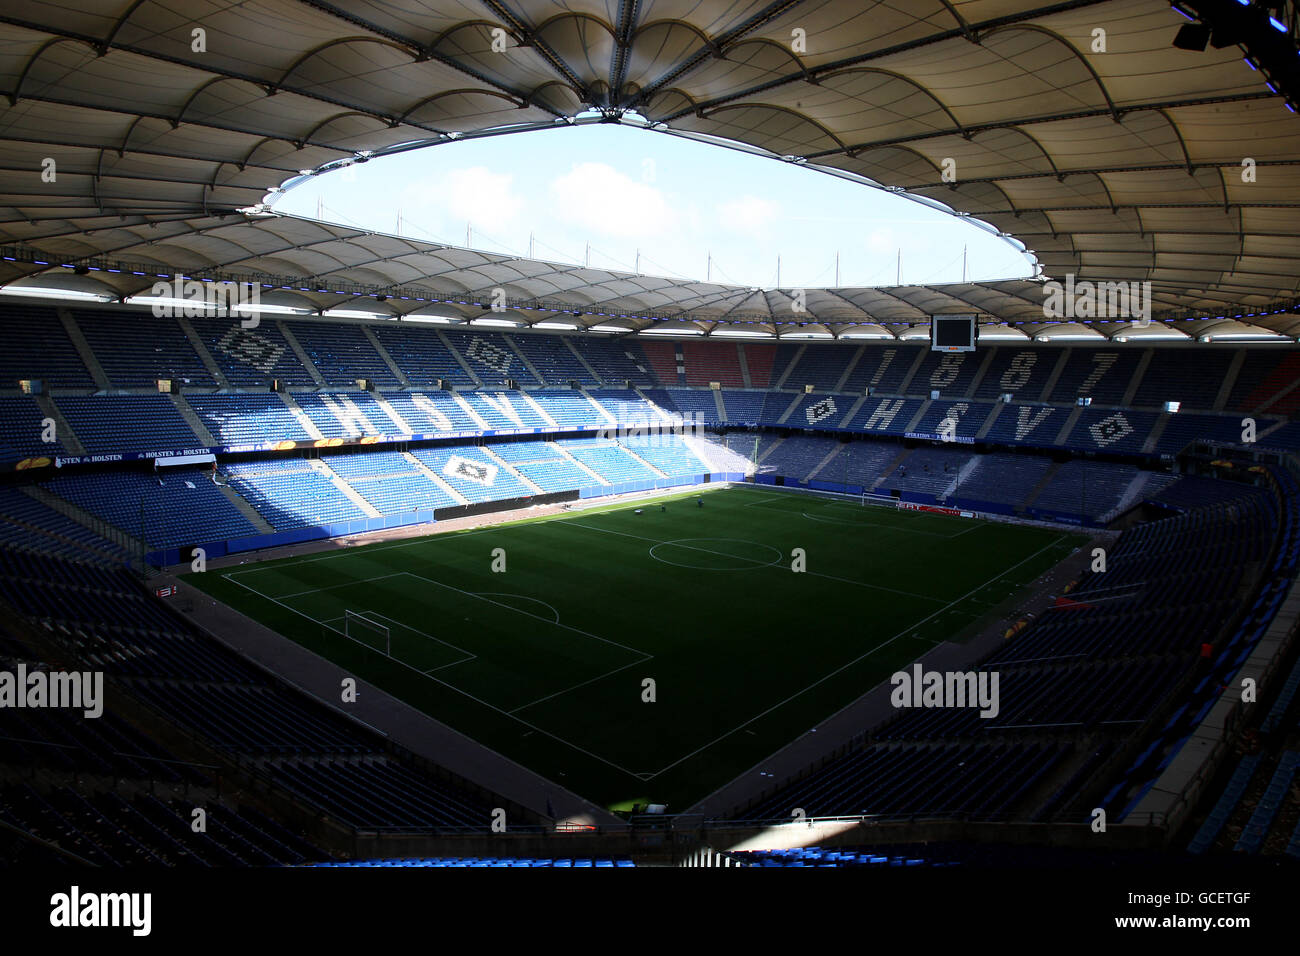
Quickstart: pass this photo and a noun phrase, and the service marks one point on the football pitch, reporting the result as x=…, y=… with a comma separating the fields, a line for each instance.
x=546, y=638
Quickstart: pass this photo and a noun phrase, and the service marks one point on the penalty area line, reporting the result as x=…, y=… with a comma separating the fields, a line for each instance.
x=453, y=687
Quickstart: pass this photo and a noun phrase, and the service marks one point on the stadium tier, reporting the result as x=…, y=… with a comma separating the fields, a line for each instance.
x=318, y=367
x=1127, y=643
x=427, y=395
x=323, y=759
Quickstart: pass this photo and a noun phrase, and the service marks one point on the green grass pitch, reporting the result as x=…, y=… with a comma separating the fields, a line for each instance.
x=545, y=662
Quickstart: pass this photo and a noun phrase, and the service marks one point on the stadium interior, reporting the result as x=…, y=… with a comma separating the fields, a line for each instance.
x=157, y=449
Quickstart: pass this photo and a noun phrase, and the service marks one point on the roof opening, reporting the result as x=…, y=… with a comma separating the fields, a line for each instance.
x=628, y=199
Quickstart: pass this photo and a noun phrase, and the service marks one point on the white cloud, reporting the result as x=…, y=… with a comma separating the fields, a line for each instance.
x=607, y=202
x=882, y=240
x=471, y=194
x=748, y=215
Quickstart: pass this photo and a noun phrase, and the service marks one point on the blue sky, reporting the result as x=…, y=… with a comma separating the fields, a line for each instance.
x=624, y=189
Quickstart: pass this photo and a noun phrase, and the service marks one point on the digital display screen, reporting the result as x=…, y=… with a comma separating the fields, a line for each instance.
x=952, y=332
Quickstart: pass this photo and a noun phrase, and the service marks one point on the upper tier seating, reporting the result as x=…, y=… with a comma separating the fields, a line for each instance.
x=569, y=408
x=342, y=354
x=1192, y=377
x=1022, y=372
x=422, y=355
x=1103, y=375
x=505, y=410
x=491, y=357
x=38, y=347
x=253, y=357
x=708, y=362
x=759, y=357
x=664, y=362
x=1264, y=375
x=346, y=414
x=136, y=349
x=552, y=358
x=615, y=361
x=821, y=366
x=882, y=369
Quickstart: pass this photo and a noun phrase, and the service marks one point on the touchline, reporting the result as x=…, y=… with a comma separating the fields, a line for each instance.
x=61, y=690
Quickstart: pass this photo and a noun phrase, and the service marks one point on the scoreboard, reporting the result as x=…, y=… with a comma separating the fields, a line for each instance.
x=952, y=333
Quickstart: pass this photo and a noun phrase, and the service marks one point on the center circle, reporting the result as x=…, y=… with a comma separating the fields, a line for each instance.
x=716, y=554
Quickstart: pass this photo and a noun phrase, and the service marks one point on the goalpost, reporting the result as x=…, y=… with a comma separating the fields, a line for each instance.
x=359, y=627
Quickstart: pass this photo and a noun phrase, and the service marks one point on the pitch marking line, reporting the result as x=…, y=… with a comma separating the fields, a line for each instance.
x=576, y=686
x=678, y=543
x=903, y=633
x=522, y=597
x=328, y=587
x=329, y=622
x=760, y=564
x=537, y=617
x=757, y=502
x=547, y=733
x=463, y=693
x=872, y=524
x=469, y=656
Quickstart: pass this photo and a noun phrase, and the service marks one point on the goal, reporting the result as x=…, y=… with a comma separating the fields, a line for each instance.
x=367, y=631
x=869, y=498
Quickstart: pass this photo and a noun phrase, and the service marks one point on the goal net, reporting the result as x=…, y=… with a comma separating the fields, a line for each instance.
x=889, y=501
x=367, y=631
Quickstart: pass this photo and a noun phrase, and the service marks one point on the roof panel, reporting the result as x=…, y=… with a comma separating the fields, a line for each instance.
x=1126, y=162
